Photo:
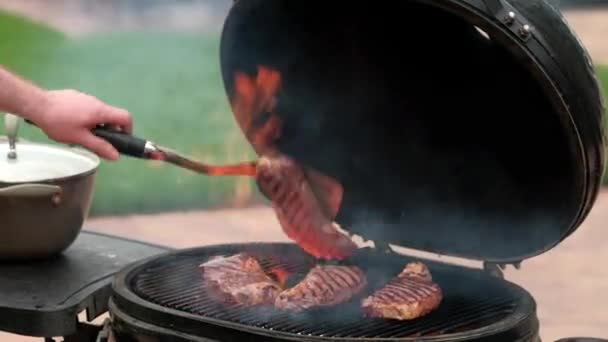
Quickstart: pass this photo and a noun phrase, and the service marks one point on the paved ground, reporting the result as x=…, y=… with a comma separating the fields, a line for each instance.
x=569, y=283
x=592, y=28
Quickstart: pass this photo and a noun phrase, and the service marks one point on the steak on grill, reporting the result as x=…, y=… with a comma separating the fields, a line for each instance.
x=240, y=279
x=410, y=295
x=304, y=217
x=323, y=286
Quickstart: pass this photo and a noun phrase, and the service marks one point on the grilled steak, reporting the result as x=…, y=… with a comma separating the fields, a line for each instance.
x=412, y=294
x=323, y=286
x=301, y=214
x=239, y=279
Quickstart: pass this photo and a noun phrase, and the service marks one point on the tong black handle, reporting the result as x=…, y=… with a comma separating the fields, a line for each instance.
x=124, y=143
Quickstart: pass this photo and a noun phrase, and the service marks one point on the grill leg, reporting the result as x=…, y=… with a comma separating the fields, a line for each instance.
x=85, y=333
x=383, y=247
x=106, y=334
x=494, y=269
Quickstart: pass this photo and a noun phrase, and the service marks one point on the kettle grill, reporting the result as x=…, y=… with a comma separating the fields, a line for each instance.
x=469, y=128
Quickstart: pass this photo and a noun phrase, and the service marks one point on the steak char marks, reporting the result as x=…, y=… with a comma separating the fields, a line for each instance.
x=410, y=295
x=305, y=216
x=323, y=286
x=240, y=279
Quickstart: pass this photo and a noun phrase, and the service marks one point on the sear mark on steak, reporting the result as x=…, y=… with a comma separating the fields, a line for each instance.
x=323, y=286
x=410, y=295
x=239, y=279
x=304, y=217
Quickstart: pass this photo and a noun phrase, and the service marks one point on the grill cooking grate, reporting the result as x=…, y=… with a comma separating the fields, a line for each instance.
x=471, y=300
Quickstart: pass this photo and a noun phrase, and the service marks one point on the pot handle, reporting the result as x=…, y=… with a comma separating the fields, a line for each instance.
x=30, y=190
x=11, y=126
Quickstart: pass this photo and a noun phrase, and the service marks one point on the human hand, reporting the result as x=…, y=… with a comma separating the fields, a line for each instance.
x=68, y=116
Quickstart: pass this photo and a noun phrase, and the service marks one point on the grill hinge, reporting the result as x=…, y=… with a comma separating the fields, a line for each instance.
x=106, y=333
x=510, y=18
x=496, y=269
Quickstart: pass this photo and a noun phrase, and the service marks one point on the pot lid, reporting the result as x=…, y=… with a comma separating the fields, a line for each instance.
x=37, y=162
x=460, y=144
x=23, y=161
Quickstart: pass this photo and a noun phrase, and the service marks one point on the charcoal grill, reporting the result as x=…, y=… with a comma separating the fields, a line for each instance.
x=167, y=293
x=412, y=140
x=495, y=156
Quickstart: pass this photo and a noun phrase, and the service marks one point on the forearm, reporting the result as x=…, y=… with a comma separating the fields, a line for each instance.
x=20, y=97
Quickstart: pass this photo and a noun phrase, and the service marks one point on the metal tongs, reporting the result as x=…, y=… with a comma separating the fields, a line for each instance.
x=133, y=146
x=130, y=145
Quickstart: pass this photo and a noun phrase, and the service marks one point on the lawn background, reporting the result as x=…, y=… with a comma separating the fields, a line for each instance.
x=172, y=85
x=170, y=82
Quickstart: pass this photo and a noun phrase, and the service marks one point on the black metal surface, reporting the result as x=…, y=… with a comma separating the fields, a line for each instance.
x=567, y=63
x=42, y=298
x=124, y=143
x=578, y=4
x=129, y=329
x=444, y=140
x=168, y=292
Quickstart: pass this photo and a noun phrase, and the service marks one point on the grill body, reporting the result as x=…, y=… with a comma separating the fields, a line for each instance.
x=163, y=299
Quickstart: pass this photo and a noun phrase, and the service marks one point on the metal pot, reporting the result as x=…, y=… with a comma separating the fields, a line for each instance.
x=45, y=195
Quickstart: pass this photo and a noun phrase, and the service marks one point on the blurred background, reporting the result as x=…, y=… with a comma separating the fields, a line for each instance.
x=160, y=60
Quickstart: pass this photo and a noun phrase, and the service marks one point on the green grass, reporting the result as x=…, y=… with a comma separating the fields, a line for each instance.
x=25, y=46
x=172, y=85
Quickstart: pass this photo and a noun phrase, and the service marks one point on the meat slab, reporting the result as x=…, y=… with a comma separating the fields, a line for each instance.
x=323, y=286
x=240, y=279
x=410, y=295
x=304, y=217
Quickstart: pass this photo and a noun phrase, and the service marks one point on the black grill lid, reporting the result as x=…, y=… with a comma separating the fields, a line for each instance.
x=471, y=128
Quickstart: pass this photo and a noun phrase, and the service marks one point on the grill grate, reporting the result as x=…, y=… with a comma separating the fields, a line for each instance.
x=472, y=299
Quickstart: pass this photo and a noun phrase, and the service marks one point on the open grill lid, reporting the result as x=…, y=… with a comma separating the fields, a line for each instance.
x=468, y=128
